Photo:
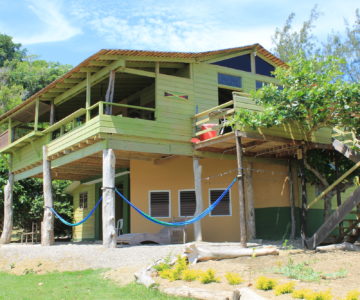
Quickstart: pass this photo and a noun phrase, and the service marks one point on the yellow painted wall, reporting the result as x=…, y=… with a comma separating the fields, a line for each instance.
x=87, y=229
x=174, y=174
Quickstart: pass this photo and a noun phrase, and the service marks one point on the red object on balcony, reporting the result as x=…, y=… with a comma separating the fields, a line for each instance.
x=209, y=134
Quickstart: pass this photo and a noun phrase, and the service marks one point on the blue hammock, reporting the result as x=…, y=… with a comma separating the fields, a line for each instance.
x=187, y=222
x=78, y=223
x=148, y=217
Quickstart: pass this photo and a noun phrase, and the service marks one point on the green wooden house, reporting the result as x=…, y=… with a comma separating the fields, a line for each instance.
x=161, y=114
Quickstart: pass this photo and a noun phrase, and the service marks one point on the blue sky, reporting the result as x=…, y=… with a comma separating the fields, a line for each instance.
x=70, y=31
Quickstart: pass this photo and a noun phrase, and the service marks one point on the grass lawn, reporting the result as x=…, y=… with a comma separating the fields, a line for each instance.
x=87, y=284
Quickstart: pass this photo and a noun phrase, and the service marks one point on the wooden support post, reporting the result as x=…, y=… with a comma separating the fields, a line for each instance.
x=52, y=113
x=47, y=225
x=88, y=95
x=338, y=192
x=252, y=62
x=292, y=201
x=108, y=202
x=10, y=131
x=250, y=208
x=109, y=97
x=36, y=119
x=303, y=229
x=240, y=176
x=8, y=207
x=198, y=196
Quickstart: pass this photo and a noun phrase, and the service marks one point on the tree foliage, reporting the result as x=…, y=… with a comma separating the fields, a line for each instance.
x=313, y=94
x=289, y=43
x=10, y=50
x=20, y=77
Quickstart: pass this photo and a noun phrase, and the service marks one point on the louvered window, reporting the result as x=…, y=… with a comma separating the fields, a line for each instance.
x=159, y=204
x=187, y=203
x=224, y=207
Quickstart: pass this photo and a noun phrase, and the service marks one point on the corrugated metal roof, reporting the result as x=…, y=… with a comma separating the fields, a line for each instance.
x=144, y=53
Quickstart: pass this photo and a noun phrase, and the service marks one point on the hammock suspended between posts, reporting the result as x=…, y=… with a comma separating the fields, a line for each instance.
x=188, y=222
x=78, y=223
x=148, y=217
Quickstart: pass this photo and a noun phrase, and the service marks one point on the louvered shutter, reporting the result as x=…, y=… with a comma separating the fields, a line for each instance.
x=223, y=208
x=187, y=203
x=159, y=204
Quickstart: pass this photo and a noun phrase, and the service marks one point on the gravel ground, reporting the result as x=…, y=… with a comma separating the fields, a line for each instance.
x=18, y=258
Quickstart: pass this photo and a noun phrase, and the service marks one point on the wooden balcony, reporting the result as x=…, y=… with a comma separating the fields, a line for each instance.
x=212, y=134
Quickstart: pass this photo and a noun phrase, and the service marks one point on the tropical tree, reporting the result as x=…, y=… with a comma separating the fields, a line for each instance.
x=20, y=77
x=314, y=94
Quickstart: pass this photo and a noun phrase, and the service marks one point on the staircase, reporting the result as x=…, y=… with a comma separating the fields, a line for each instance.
x=348, y=144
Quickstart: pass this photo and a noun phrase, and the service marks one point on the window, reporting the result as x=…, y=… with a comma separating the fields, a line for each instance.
x=229, y=80
x=224, y=206
x=187, y=203
x=160, y=204
x=242, y=62
x=83, y=200
x=263, y=68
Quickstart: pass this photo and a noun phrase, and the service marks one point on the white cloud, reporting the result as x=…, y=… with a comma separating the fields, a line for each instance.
x=167, y=27
x=55, y=25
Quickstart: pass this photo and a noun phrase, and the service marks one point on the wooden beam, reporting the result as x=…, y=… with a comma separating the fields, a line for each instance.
x=99, y=63
x=138, y=72
x=335, y=183
x=108, y=203
x=292, y=200
x=198, y=197
x=72, y=80
x=252, y=62
x=8, y=209
x=89, y=69
x=36, y=118
x=109, y=97
x=258, y=136
x=100, y=75
x=52, y=113
x=303, y=216
x=10, y=131
x=47, y=225
x=240, y=177
x=88, y=95
x=346, y=151
x=65, y=85
x=250, y=206
x=337, y=216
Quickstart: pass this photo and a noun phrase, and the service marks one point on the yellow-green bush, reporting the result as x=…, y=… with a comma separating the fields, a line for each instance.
x=353, y=295
x=285, y=288
x=301, y=294
x=233, y=278
x=208, y=277
x=190, y=275
x=322, y=295
x=265, y=284
x=175, y=273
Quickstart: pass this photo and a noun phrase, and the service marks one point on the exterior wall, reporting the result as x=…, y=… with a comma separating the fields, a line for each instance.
x=271, y=195
x=85, y=231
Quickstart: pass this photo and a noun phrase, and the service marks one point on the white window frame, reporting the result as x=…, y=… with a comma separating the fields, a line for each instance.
x=179, y=203
x=149, y=202
x=230, y=202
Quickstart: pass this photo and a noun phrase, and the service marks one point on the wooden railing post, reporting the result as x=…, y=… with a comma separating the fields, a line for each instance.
x=8, y=207
x=198, y=197
x=108, y=202
x=47, y=225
